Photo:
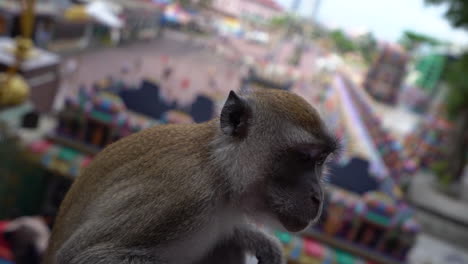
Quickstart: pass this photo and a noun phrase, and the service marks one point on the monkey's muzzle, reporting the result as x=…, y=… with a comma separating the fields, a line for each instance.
x=301, y=218
x=294, y=224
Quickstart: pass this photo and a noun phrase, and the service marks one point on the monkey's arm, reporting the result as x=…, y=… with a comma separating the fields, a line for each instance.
x=109, y=236
x=107, y=254
x=227, y=252
x=77, y=251
x=265, y=248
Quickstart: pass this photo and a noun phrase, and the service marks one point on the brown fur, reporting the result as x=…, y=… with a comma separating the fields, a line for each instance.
x=154, y=189
x=291, y=107
x=137, y=157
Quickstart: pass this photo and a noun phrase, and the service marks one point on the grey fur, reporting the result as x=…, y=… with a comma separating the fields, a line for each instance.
x=183, y=194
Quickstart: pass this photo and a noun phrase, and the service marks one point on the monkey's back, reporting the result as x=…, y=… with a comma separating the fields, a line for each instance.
x=132, y=171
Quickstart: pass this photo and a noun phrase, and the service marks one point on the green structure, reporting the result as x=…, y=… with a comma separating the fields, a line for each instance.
x=430, y=68
x=21, y=180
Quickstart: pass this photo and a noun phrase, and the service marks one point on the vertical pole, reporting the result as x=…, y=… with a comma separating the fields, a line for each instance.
x=315, y=11
x=295, y=5
x=24, y=42
x=27, y=18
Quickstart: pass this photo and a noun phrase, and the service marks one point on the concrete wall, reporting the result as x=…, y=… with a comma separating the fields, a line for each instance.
x=240, y=8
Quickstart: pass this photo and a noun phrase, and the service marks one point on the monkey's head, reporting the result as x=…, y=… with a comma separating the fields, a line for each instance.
x=276, y=147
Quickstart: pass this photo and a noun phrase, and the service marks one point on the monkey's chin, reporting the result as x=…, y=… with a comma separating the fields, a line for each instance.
x=294, y=225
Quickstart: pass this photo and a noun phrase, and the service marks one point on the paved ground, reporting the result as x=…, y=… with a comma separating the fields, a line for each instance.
x=439, y=214
x=191, y=58
x=430, y=250
x=186, y=56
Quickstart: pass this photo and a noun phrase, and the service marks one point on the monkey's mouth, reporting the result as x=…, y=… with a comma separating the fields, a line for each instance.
x=293, y=224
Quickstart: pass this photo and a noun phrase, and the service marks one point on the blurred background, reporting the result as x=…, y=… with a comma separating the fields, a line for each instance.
x=389, y=78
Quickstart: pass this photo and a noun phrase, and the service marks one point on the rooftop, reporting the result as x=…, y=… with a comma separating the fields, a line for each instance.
x=272, y=4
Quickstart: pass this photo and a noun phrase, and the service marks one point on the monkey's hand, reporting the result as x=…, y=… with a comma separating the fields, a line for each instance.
x=267, y=249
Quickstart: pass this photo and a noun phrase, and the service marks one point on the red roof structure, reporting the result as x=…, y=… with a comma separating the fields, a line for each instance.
x=272, y=4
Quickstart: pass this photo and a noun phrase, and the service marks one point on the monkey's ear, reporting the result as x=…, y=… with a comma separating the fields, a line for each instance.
x=235, y=116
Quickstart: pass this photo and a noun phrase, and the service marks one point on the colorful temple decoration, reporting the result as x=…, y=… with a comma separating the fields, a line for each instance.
x=386, y=74
x=86, y=124
x=425, y=146
x=60, y=159
x=366, y=212
x=414, y=99
x=334, y=120
x=306, y=250
x=97, y=119
x=390, y=150
x=374, y=221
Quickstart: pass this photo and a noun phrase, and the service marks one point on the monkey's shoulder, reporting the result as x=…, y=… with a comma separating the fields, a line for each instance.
x=155, y=145
x=157, y=138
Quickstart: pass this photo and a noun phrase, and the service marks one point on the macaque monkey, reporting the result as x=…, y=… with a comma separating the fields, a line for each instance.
x=183, y=194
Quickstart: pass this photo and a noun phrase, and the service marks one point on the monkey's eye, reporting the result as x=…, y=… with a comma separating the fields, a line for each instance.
x=310, y=156
x=304, y=156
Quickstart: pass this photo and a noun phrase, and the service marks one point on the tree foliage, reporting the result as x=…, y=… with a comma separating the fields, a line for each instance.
x=457, y=11
x=457, y=99
x=205, y=3
x=288, y=23
x=455, y=76
x=367, y=45
x=457, y=14
x=412, y=40
x=195, y=3
x=342, y=42
x=282, y=21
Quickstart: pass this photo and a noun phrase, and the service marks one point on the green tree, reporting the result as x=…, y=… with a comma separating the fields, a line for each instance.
x=457, y=99
x=412, y=40
x=342, y=43
x=195, y=3
x=457, y=109
x=282, y=21
x=367, y=45
x=185, y=3
x=318, y=31
x=205, y=3
x=287, y=23
x=457, y=11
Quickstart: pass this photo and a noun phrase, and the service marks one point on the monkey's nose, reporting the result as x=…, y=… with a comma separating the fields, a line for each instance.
x=316, y=198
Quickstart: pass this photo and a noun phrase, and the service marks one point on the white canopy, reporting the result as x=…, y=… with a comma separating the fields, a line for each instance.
x=105, y=13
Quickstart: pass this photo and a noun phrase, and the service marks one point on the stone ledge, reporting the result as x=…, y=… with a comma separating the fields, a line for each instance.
x=439, y=215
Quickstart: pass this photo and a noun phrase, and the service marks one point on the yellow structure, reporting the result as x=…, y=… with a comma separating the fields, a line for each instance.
x=77, y=13
x=14, y=89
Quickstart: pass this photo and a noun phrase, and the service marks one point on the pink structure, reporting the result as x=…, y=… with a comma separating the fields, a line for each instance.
x=262, y=10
